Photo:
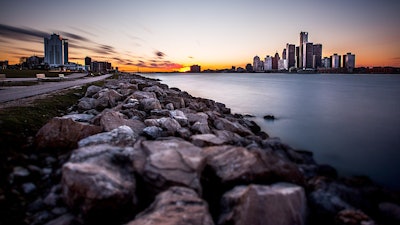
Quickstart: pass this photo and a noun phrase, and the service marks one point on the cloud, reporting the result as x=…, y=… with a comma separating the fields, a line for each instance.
x=74, y=36
x=24, y=34
x=159, y=54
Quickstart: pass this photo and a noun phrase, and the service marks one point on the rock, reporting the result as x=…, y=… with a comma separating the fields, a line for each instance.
x=28, y=188
x=92, y=90
x=106, y=99
x=170, y=106
x=224, y=124
x=110, y=120
x=237, y=165
x=176, y=206
x=121, y=136
x=64, y=133
x=180, y=117
x=172, y=163
x=20, y=172
x=269, y=117
x=127, y=89
x=148, y=104
x=390, y=212
x=86, y=103
x=203, y=140
x=177, y=102
x=353, y=217
x=86, y=118
x=156, y=89
x=278, y=204
x=67, y=219
x=169, y=124
x=152, y=132
x=143, y=94
x=99, y=182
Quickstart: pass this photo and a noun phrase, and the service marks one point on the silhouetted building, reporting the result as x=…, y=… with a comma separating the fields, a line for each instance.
x=88, y=61
x=257, y=64
x=275, y=61
x=55, y=50
x=100, y=67
x=303, y=49
x=268, y=63
x=349, y=62
x=309, y=48
x=195, y=69
x=290, y=55
x=298, y=57
x=317, y=56
x=249, y=68
x=4, y=64
x=335, y=61
x=284, y=53
x=326, y=62
x=35, y=62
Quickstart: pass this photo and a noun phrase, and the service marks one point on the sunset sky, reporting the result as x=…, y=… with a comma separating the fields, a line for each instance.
x=166, y=35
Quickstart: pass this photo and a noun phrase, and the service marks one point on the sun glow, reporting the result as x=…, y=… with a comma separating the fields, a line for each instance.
x=184, y=69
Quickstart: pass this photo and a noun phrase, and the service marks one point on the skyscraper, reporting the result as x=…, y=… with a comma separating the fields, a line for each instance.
x=303, y=53
x=275, y=61
x=290, y=55
x=309, y=48
x=298, y=57
x=268, y=63
x=55, y=50
x=257, y=65
x=336, y=61
x=317, y=56
x=349, y=62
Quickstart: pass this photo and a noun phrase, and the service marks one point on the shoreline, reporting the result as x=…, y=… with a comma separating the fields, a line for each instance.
x=131, y=132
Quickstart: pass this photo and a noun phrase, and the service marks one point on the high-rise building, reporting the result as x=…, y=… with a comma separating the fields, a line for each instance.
x=275, y=61
x=268, y=63
x=336, y=61
x=290, y=55
x=303, y=53
x=317, y=56
x=55, y=50
x=88, y=61
x=257, y=65
x=195, y=69
x=309, y=48
x=249, y=68
x=298, y=57
x=284, y=53
x=349, y=62
x=326, y=62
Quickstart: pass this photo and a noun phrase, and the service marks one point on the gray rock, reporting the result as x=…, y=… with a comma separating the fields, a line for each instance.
x=121, y=136
x=180, y=117
x=80, y=117
x=148, y=104
x=278, y=204
x=170, y=106
x=67, y=219
x=176, y=206
x=20, y=172
x=28, y=188
x=201, y=128
x=235, y=127
x=110, y=120
x=203, y=140
x=99, y=179
x=152, y=132
x=92, y=90
x=156, y=89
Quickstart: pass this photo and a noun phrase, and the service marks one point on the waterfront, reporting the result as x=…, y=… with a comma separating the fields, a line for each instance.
x=349, y=121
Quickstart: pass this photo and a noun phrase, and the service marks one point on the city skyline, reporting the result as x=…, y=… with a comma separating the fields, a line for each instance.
x=171, y=36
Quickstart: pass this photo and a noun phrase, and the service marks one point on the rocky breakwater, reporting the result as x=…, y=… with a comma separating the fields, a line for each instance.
x=144, y=153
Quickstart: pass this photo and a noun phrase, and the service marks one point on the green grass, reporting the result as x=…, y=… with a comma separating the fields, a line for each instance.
x=29, y=73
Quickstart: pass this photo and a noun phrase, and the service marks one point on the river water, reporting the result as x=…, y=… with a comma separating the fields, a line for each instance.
x=351, y=122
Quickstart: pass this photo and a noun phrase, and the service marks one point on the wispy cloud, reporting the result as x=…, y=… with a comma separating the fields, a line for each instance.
x=159, y=54
x=24, y=34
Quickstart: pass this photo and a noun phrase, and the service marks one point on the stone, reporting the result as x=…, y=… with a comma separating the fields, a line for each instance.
x=172, y=162
x=64, y=133
x=203, y=140
x=110, y=120
x=152, y=132
x=20, y=172
x=107, y=98
x=99, y=182
x=148, y=104
x=170, y=106
x=353, y=217
x=200, y=128
x=86, y=103
x=277, y=204
x=169, y=124
x=92, y=90
x=143, y=94
x=237, y=165
x=121, y=136
x=156, y=89
x=66, y=219
x=86, y=118
x=180, y=117
x=176, y=206
x=235, y=127
x=28, y=188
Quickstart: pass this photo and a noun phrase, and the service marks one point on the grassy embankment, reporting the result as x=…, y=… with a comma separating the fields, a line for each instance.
x=29, y=73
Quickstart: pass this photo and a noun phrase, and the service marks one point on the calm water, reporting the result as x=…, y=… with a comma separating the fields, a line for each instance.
x=349, y=121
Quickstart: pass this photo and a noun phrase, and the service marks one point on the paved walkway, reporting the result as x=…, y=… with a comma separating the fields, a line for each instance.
x=12, y=93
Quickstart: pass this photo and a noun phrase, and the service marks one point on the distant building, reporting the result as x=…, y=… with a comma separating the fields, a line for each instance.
x=35, y=62
x=309, y=53
x=249, y=68
x=326, y=62
x=335, y=61
x=275, y=61
x=282, y=64
x=291, y=55
x=100, y=67
x=349, y=62
x=268, y=63
x=284, y=53
x=317, y=56
x=257, y=64
x=195, y=69
x=303, y=49
x=55, y=50
x=298, y=65
x=4, y=64
x=88, y=63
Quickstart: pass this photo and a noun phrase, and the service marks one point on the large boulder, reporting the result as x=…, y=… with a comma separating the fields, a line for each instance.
x=107, y=98
x=110, y=120
x=235, y=127
x=237, y=165
x=203, y=140
x=278, y=204
x=64, y=133
x=121, y=136
x=99, y=182
x=173, y=162
x=176, y=206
